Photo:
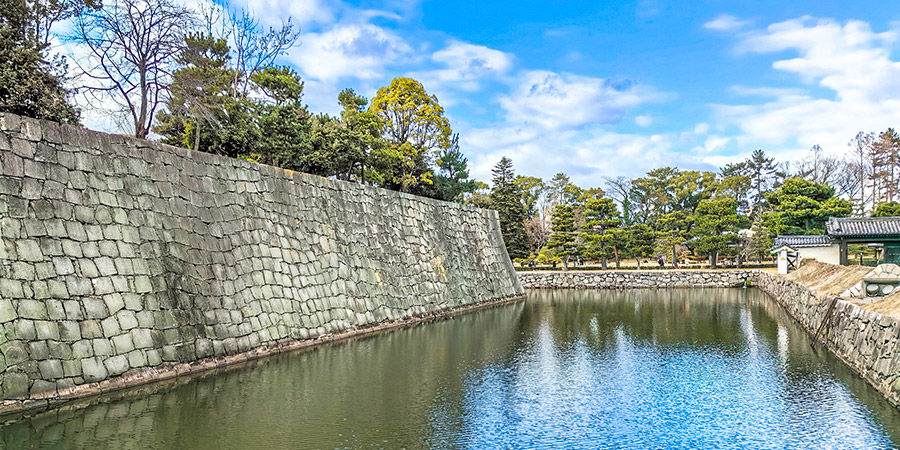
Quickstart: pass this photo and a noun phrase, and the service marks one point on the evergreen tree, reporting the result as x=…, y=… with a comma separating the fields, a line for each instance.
x=452, y=179
x=506, y=199
x=716, y=223
x=601, y=217
x=29, y=84
x=802, y=207
x=564, y=238
x=887, y=209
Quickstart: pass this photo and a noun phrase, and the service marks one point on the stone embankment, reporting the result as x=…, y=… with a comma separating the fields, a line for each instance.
x=865, y=340
x=868, y=342
x=123, y=261
x=636, y=279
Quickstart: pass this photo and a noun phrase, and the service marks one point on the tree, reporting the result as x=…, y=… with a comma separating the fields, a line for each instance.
x=884, y=154
x=564, y=239
x=762, y=172
x=131, y=48
x=506, y=199
x=620, y=189
x=819, y=167
x=254, y=48
x=199, y=92
x=640, y=239
x=653, y=194
x=601, y=217
x=415, y=127
x=716, y=223
x=887, y=209
x=452, y=180
x=533, y=191
x=859, y=167
x=802, y=207
x=561, y=191
x=30, y=85
x=674, y=229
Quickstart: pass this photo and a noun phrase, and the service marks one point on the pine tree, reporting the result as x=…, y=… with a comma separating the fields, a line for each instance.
x=506, y=199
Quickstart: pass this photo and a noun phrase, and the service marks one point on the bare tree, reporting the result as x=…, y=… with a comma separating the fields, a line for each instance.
x=819, y=167
x=619, y=189
x=861, y=164
x=253, y=47
x=131, y=47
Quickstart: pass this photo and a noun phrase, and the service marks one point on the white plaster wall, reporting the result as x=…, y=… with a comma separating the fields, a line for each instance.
x=829, y=255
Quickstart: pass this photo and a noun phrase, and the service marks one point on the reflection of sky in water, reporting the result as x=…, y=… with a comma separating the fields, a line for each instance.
x=565, y=369
x=639, y=394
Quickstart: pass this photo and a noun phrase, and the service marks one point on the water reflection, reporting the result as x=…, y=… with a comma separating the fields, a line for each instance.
x=578, y=369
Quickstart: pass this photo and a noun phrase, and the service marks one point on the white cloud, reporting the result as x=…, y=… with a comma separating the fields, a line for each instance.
x=701, y=128
x=726, y=22
x=712, y=144
x=850, y=61
x=563, y=101
x=356, y=50
x=302, y=12
x=465, y=66
x=643, y=121
x=585, y=155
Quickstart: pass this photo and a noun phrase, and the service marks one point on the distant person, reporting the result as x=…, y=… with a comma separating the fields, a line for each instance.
x=662, y=262
x=554, y=264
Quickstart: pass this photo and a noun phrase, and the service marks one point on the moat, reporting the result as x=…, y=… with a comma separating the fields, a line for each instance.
x=686, y=368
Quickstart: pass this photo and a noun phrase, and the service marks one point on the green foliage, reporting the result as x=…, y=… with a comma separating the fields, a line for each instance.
x=506, y=199
x=563, y=240
x=532, y=189
x=415, y=128
x=281, y=84
x=640, y=240
x=29, y=84
x=887, y=209
x=716, y=223
x=452, y=180
x=801, y=206
x=601, y=217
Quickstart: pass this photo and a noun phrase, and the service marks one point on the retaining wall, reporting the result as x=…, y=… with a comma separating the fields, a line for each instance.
x=636, y=279
x=124, y=260
x=865, y=340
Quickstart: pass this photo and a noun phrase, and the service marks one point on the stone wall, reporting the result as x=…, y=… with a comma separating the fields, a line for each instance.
x=120, y=257
x=865, y=340
x=636, y=279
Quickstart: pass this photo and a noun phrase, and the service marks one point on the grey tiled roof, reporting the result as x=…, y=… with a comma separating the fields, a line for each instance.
x=863, y=226
x=818, y=240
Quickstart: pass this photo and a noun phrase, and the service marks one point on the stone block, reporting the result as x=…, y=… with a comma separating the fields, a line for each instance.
x=32, y=309
x=116, y=365
x=110, y=327
x=90, y=329
x=95, y=308
x=51, y=369
x=94, y=370
x=46, y=329
x=29, y=250
x=122, y=343
x=82, y=349
x=14, y=385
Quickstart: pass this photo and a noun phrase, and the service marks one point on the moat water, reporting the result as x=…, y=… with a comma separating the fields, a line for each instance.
x=713, y=368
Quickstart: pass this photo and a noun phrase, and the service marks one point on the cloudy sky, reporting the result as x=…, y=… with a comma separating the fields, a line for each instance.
x=599, y=89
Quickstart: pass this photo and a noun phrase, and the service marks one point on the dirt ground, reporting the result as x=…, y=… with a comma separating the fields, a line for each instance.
x=828, y=279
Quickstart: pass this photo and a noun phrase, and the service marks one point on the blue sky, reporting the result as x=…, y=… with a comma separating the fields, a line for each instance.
x=614, y=88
